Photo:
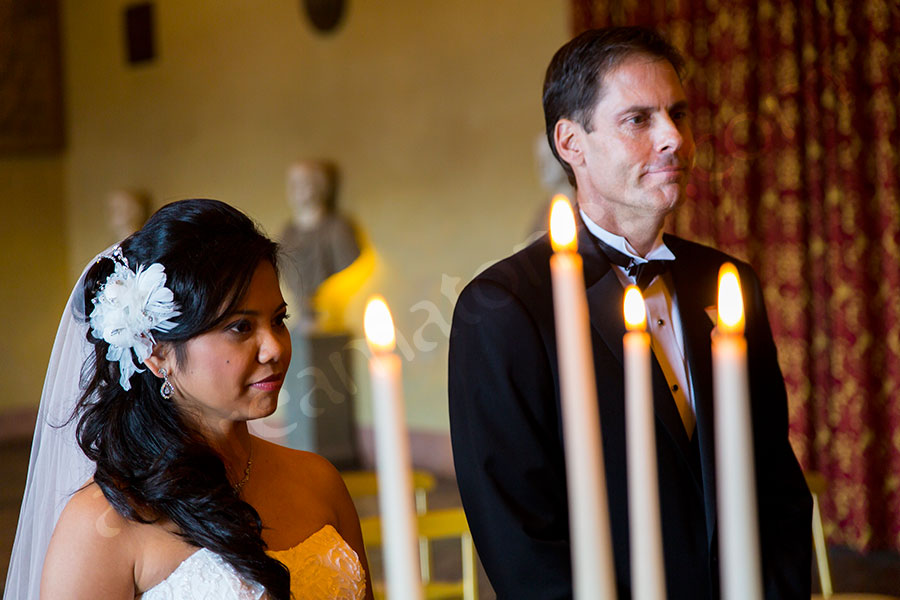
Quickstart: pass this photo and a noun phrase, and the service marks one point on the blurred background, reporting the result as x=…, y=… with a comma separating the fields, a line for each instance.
x=429, y=111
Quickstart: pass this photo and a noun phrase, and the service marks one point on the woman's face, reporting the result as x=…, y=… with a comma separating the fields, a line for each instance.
x=235, y=371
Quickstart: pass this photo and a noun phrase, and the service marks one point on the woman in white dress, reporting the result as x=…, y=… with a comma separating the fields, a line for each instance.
x=185, y=341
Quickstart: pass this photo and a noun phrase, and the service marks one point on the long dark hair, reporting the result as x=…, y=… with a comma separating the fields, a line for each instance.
x=152, y=464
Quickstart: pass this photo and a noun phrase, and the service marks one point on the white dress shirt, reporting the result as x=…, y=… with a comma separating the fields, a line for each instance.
x=663, y=319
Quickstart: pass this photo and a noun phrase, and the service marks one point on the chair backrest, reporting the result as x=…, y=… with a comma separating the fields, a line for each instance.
x=434, y=525
x=362, y=484
x=816, y=484
x=365, y=483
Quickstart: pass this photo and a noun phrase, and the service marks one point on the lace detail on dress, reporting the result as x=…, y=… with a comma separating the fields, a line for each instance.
x=204, y=575
x=324, y=566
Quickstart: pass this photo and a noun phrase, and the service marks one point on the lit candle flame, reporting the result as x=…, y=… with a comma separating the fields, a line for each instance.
x=378, y=325
x=731, y=303
x=562, y=225
x=635, y=313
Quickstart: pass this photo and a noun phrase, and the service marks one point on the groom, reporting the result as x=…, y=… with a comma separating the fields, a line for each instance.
x=618, y=120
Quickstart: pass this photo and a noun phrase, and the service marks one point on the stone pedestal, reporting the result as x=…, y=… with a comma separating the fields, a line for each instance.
x=317, y=401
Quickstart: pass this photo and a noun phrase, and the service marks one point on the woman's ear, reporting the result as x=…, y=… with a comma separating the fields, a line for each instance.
x=158, y=359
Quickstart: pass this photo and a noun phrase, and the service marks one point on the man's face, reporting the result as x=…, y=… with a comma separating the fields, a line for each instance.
x=640, y=149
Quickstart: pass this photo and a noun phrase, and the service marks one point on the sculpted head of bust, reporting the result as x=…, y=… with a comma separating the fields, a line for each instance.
x=127, y=211
x=310, y=191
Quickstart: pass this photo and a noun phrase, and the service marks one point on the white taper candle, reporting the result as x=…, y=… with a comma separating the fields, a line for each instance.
x=392, y=458
x=591, y=547
x=647, y=566
x=735, y=475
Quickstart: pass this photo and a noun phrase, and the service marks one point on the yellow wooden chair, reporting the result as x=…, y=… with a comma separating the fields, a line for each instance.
x=816, y=483
x=365, y=483
x=433, y=525
x=362, y=484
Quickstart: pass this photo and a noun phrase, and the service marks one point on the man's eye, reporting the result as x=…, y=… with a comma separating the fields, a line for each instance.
x=637, y=119
x=678, y=115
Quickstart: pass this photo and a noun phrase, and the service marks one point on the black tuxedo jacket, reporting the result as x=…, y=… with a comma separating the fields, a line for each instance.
x=506, y=429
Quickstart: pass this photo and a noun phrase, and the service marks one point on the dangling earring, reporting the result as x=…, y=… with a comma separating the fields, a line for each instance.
x=166, y=390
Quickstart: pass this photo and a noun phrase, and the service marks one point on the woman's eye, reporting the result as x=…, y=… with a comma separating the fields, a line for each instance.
x=280, y=319
x=242, y=326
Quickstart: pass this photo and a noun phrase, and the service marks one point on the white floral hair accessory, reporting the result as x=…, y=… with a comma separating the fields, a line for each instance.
x=126, y=310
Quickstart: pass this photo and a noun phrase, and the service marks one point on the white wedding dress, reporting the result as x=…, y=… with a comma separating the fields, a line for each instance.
x=323, y=567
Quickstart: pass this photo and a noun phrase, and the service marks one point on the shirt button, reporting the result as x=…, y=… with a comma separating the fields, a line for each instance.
x=675, y=388
x=660, y=322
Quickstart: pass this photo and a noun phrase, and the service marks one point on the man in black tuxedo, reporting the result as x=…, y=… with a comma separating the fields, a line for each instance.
x=617, y=119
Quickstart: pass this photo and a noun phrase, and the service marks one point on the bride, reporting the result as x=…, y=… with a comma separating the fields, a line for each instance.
x=181, y=333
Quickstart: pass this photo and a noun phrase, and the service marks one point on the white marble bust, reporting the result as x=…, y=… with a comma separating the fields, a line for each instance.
x=126, y=211
x=318, y=242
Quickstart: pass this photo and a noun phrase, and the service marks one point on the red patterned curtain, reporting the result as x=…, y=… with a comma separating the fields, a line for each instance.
x=795, y=117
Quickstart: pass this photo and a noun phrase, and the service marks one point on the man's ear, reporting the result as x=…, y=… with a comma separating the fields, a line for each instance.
x=567, y=136
x=158, y=359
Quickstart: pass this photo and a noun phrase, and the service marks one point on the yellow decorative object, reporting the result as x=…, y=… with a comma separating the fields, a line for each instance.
x=334, y=294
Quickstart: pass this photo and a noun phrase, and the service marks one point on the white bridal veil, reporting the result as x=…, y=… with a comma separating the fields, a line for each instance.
x=57, y=467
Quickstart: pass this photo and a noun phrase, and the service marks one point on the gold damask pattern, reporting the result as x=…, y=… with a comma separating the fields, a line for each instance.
x=795, y=119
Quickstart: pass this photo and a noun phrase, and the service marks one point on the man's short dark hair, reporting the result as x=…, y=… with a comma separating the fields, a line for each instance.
x=574, y=79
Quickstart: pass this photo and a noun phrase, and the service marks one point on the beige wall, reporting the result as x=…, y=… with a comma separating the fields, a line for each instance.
x=34, y=284
x=430, y=108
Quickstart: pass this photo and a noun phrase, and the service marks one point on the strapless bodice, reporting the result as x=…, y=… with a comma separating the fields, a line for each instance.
x=204, y=575
x=323, y=566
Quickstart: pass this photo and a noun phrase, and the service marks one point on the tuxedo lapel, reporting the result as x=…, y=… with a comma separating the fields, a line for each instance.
x=604, y=292
x=605, y=297
x=695, y=290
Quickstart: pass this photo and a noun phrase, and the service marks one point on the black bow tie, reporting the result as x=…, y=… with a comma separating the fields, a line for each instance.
x=643, y=273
